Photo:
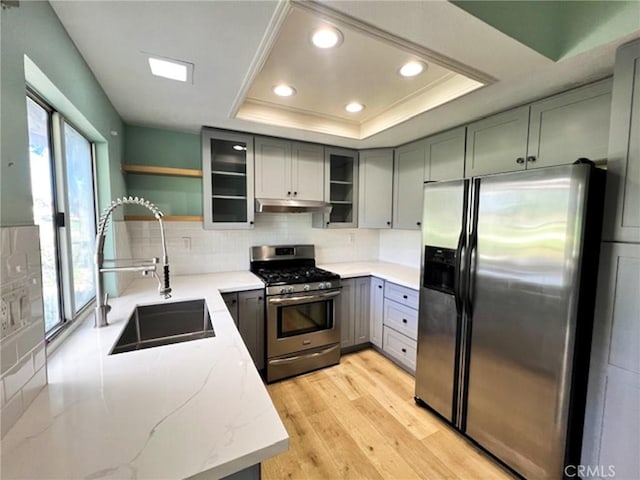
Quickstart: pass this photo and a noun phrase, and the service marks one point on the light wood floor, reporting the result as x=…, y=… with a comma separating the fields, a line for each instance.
x=358, y=420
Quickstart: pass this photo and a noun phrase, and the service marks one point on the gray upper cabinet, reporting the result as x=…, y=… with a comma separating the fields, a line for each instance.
x=289, y=170
x=273, y=168
x=307, y=171
x=622, y=211
x=409, y=176
x=340, y=189
x=554, y=131
x=498, y=143
x=569, y=126
x=445, y=156
x=375, y=188
x=227, y=171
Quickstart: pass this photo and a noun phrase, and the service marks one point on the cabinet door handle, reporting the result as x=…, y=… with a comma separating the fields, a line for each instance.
x=520, y=160
x=531, y=158
x=404, y=350
x=405, y=297
x=404, y=320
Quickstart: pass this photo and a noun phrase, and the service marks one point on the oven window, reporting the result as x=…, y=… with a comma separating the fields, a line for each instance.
x=305, y=318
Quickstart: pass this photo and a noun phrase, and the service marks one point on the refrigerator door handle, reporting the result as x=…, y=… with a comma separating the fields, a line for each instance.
x=459, y=273
x=471, y=284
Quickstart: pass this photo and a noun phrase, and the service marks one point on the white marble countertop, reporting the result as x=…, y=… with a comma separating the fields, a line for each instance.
x=400, y=274
x=167, y=412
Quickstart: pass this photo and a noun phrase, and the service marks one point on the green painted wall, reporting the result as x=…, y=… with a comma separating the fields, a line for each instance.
x=558, y=28
x=36, y=50
x=164, y=148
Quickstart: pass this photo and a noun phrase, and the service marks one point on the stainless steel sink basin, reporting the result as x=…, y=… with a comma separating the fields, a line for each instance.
x=165, y=323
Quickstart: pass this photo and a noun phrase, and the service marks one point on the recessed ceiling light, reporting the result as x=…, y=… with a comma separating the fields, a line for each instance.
x=284, y=90
x=411, y=69
x=172, y=69
x=354, y=107
x=326, y=37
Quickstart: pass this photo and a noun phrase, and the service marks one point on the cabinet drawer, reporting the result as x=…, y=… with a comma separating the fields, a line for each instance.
x=403, y=295
x=401, y=318
x=400, y=347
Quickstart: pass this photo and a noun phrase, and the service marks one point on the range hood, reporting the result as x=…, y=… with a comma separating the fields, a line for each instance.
x=276, y=205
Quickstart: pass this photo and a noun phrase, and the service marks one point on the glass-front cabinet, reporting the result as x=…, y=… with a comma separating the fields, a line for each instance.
x=227, y=170
x=341, y=189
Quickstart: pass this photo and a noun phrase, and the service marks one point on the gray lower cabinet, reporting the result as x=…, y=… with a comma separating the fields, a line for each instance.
x=353, y=310
x=622, y=218
x=376, y=313
x=247, y=310
x=400, y=324
x=612, y=420
x=231, y=301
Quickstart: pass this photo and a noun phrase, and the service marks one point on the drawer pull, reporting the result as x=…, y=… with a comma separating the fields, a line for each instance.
x=405, y=297
x=404, y=320
x=404, y=350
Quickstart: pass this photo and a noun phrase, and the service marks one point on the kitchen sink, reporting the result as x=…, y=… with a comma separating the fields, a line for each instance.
x=165, y=323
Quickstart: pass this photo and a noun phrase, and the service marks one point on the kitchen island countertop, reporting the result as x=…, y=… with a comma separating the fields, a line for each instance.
x=175, y=411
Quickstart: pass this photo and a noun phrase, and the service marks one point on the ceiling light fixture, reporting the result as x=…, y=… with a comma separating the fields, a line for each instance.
x=354, y=107
x=284, y=90
x=413, y=68
x=326, y=37
x=172, y=69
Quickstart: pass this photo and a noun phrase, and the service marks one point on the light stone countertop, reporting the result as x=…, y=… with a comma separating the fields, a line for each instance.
x=167, y=412
x=400, y=274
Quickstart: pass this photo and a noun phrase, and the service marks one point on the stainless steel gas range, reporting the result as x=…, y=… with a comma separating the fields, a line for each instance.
x=303, y=331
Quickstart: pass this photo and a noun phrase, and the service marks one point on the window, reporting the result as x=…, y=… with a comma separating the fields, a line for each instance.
x=62, y=185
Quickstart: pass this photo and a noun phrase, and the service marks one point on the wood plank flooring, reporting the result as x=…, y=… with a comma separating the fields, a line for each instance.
x=358, y=420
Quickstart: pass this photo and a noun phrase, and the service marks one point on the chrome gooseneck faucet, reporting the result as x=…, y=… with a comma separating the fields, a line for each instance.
x=146, y=267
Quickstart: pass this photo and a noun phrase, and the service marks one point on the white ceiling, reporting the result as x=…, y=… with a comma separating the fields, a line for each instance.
x=225, y=39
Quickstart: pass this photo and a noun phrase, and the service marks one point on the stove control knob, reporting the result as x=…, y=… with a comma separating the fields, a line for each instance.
x=327, y=285
x=322, y=286
x=306, y=288
x=289, y=289
x=283, y=290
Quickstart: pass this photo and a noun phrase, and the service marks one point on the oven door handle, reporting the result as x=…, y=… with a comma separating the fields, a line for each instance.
x=292, y=300
x=278, y=361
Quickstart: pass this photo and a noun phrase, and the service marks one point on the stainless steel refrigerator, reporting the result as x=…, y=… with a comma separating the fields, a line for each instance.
x=507, y=293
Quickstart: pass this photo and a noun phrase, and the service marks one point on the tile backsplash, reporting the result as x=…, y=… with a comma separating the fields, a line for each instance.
x=400, y=246
x=194, y=250
x=23, y=370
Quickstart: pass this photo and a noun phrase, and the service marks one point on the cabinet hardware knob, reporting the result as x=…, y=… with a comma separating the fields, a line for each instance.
x=327, y=223
x=295, y=194
x=251, y=222
x=404, y=350
x=233, y=301
x=288, y=194
x=520, y=160
x=388, y=223
x=418, y=223
x=405, y=297
x=404, y=320
x=379, y=286
x=259, y=298
x=531, y=158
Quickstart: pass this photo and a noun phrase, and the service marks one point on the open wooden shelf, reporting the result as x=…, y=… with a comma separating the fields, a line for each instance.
x=166, y=218
x=165, y=171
